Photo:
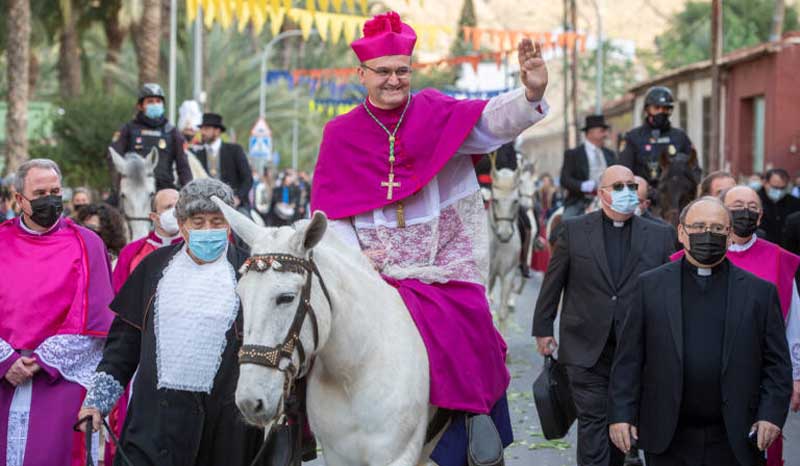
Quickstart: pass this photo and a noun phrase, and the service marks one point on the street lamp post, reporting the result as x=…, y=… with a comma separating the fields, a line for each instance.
x=599, y=99
x=262, y=89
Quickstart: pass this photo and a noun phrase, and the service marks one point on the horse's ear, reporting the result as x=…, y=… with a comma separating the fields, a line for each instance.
x=117, y=160
x=240, y=223
x=308, y=237
x=152, y=158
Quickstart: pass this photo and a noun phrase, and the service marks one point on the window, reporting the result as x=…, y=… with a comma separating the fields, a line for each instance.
x=758, y=134
x=683, y=115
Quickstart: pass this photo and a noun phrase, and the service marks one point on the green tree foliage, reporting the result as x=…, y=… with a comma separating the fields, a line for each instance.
x=745, y=23
x=618, y=72
x=82, y=131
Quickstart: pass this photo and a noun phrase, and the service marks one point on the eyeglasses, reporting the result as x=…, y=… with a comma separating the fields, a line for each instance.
x=741, y=205
x=402, y=72
x=619, y=186
x=717, y=228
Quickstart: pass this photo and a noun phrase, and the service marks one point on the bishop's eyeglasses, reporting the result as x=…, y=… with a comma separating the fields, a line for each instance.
x=700, y=227
x=402, y=72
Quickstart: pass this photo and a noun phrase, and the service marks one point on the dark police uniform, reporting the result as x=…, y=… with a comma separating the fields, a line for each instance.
x=142, y=134
x=643, y=146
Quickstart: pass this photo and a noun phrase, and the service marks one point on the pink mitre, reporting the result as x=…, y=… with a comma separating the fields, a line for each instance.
x=385, y=35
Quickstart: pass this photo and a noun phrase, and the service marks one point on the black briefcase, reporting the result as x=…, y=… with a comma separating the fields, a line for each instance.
x=553, y=397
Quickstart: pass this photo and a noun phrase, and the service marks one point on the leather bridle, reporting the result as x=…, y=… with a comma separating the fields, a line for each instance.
x=272, y=357
x=496, y=220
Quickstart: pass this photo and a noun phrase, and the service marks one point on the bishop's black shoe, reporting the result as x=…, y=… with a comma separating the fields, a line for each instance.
x=485, y=446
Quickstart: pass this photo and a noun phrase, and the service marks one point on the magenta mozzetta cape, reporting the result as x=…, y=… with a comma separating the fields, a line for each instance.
x=354, y=154
x=52, y=284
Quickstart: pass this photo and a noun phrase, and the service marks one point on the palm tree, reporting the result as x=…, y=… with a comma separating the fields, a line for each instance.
x=147, y=38
x=69, y=62
x=18, y=17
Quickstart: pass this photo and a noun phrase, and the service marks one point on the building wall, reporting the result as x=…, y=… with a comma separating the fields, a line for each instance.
x=774, y=77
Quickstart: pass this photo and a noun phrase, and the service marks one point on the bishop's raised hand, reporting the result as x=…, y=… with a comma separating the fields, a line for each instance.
x=533, y=69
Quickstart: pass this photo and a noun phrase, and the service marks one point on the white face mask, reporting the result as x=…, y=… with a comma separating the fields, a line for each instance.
x=168, y=222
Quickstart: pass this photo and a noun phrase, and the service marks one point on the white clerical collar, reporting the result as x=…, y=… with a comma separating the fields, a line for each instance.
x=28, y=229
x=743, y=247
x=618, y=224
x=214, y=146
x=704, y=271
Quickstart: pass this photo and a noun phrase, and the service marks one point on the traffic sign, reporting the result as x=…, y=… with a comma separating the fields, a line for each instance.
x=261, y=140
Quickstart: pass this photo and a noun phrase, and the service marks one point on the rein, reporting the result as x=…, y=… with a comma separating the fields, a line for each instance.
x=272, y=357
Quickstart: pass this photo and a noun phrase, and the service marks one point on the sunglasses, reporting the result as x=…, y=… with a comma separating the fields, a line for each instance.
x=619, y=186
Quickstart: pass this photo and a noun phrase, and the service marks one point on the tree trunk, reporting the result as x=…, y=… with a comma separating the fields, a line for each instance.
x=33, y=72
x=69, y=53
x=777, y=20
x=147, y=35
x=18, y=25
x=115, y=36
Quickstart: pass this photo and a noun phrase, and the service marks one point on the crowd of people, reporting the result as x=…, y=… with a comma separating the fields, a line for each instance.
x=692, y=356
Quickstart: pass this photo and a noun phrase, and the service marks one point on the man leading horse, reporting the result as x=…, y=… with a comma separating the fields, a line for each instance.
x=416, y=211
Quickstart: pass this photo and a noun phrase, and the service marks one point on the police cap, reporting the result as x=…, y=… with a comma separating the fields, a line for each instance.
x=150, y=90
x=660, y=96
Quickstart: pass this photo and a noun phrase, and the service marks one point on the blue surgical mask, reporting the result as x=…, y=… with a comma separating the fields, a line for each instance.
x=775, y=194
x=154, y=111
x=624, y=202
x=755, y=185
x=208, y=245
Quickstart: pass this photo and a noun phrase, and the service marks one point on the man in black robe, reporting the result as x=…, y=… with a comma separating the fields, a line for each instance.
x=178, y=326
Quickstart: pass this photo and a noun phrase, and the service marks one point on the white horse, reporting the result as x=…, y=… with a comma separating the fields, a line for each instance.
x=505, y=244
x=527, y=190
x=367, y=395
x=136, y=189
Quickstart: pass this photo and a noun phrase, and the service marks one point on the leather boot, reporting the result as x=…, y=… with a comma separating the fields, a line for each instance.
x=485, y=448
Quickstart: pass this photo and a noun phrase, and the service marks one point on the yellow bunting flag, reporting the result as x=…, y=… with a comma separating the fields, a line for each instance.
x=324, y=5
x=259, y=14
x=287, y=4
x=306, y=23
x=336, y=24
x=191, y=10
x=209, y=10
x=365, y=7
x=277, y=17
x=322, y=20
x=350, y=29
x=311, y=5
x=337, y=5
x=351, y=6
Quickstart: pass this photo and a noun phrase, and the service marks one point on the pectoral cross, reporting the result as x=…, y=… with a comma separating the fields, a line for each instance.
x=390, y=185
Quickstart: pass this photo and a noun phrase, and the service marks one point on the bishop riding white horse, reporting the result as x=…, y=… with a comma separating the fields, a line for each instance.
x=367, y=395
x=504, y=244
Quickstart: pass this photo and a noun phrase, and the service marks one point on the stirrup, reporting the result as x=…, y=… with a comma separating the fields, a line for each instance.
x=485, y=447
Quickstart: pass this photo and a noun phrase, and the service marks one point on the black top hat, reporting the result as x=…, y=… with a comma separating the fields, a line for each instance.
x=594, y=121
x=213, y=119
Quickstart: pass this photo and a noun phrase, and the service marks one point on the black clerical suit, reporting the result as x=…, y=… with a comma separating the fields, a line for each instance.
x=791, y=233
x=700, y=359
x=166, y=426
x=775, y=215
x=233, y=169
x=595, y=264
x=575, y=171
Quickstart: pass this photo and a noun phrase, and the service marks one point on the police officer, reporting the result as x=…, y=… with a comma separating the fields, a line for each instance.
x=148, y=129
x=642, y=147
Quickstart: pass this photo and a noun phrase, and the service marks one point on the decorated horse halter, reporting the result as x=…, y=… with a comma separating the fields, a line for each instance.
x=271, y=357
x=497, y=219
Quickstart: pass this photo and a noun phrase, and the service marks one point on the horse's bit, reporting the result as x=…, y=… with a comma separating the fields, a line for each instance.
x=271, y=357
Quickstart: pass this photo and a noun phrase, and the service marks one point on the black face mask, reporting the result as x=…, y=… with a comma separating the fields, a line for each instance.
x=660, y=121
x=745, y=222
x=707, y=248
x=46, y=210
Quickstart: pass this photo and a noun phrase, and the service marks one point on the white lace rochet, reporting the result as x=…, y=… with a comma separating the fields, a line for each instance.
x=195, y=307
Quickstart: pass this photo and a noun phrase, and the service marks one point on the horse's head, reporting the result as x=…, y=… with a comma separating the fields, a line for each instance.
x=287, y=312
x=504, y=206
x=677, y=185
x=136, y=188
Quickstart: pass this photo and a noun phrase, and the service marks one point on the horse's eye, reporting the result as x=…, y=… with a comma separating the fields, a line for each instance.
x=286, y=298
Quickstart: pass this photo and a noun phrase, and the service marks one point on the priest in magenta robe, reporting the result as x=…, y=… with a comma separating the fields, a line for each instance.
x=774, y=264
x=396, y=177
x=54, y=317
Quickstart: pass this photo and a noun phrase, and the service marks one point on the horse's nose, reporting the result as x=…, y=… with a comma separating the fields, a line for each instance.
x=252, y=406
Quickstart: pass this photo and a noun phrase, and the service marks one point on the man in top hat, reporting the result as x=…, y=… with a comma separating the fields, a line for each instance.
x=584, y=165
x=415, y=209
x=224, y=161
